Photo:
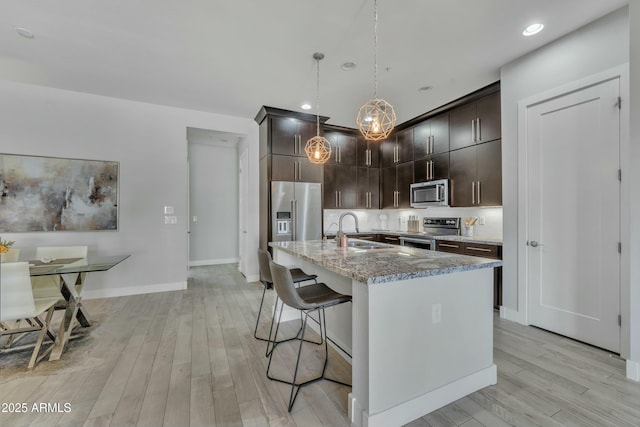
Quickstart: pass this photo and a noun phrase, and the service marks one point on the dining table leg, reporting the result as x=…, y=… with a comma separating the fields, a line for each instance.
x=74, y=311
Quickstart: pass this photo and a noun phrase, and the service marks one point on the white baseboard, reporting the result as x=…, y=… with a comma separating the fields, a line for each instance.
x=633, y=370
x=202, y=262
x=252, y=278
x=133, y=290
x=510, y=314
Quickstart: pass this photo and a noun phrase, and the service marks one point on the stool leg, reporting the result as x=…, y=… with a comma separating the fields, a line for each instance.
x=255, y=331
x=292, y=397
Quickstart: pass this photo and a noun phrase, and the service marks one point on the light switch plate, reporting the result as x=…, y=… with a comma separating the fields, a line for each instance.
x=168, y=210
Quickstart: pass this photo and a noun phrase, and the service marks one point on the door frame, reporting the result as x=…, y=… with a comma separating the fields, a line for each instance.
x=621, y=72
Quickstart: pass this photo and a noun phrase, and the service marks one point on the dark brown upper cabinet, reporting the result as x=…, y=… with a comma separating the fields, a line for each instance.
x=340, y=187
x=367, y=152
x=396, y=183
x=292, y=168
x=431, y=137
x=343, y=147
x=476, y=122
x=368, y=180
x=398, y=148
x=475, y=175
x=431, y=168
x=289, y=135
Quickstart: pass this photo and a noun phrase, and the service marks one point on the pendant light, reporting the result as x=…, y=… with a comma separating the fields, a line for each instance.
x=376, y=117
x=318, y=148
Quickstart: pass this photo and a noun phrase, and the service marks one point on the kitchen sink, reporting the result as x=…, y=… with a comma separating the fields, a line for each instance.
x=360, y=244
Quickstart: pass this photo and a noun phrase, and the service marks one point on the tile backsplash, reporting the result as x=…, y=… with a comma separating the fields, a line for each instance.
x=396, y=219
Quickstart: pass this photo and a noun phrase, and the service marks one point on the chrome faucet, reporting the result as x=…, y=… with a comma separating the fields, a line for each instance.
x=340, y=233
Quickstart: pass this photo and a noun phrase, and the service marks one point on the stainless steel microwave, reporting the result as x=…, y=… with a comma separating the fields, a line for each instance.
x=431, y=193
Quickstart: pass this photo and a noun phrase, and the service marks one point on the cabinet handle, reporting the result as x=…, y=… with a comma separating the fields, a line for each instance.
x=396, y=154
x=473, y=248
x=446, y=245
x=339, y=154
x=368, y=157
x=473, y=130
x=337, y=199
x=473, y=193
x=478, y=133
x=431, y=144
x=478, y=192
x=340, y=198
x=431, y=169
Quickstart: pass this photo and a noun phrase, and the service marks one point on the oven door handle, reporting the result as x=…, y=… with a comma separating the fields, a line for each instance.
x=417, y=240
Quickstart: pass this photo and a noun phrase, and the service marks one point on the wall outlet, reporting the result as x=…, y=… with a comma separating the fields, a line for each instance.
x=481, y=220
x=171, y=220
x=168, y=210
x=195, y=219
x=436, y=313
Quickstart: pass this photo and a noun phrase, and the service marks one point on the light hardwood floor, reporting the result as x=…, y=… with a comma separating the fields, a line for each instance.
x=189, y=358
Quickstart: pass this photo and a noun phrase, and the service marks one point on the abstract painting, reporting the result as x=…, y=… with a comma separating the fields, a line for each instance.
x=55, y=194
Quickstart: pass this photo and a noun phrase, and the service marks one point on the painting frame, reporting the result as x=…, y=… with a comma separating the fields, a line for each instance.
x=54, y=194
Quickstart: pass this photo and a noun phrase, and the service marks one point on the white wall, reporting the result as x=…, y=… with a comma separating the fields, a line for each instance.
x=633, y=183
x=596, y=47
x=213, y=188
x=149, y=141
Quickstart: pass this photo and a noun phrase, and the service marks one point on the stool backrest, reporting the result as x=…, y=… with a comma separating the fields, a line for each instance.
x=264, y=258
x=283, y=284
x=16, y=296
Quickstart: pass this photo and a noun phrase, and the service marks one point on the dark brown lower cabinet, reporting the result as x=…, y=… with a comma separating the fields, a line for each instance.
x=482, y=250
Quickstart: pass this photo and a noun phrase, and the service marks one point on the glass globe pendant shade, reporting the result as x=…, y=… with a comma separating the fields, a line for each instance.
x=318, y=149
x=376, y=119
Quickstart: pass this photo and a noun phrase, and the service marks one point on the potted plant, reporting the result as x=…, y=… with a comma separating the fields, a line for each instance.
x=7, y=253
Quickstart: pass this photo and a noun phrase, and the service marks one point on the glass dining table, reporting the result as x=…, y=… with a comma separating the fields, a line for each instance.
x=72, y=273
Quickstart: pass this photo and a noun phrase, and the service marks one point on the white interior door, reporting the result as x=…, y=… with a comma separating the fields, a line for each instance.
x=243, y=186
x=573, y=214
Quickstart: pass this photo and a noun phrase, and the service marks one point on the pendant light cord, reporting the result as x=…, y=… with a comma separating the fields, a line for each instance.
x=318, y=96
x=375, y=49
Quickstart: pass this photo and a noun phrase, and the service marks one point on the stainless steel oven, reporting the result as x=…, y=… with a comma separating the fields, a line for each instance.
x=417, y=242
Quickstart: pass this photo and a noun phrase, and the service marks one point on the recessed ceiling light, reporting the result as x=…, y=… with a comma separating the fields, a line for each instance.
x=306, y=106
x=425, y=89
x=532, y=29
x=348, y=66
x=24, y=32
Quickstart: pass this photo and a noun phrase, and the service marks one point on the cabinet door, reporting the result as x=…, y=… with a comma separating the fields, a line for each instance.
x=432, y=168
x=489, y=118
x=284, y=168
x=422, y=140
x=374, y=188
x=440, y=134
x=367, y=153
x=340, y=190
x=285, y=137
x=489, y=187
x=404, y=181
x=309, y=172
x=462, y=175
x=404, y=142
x=388, y=152
x=388, y=177
x=343, y=148
x=460, y=126
x=440, y=166
x=362, y=179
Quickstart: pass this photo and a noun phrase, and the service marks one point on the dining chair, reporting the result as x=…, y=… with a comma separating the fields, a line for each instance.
x=298, y=276
x=11, y=256
x=48, y=286
x=17, y=303
x=315, y=299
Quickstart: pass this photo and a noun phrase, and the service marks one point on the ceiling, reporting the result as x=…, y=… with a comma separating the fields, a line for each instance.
x=232, y=57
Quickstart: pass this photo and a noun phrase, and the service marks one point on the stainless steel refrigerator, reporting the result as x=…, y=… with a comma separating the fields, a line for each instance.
x=296, y=211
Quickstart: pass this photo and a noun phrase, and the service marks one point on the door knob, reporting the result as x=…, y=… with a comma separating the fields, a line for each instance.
x=533, y=244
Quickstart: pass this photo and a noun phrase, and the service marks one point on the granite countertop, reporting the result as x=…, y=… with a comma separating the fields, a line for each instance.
x=386, y=263
x=485, y=240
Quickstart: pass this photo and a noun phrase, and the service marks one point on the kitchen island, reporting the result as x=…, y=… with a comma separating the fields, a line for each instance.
x=420, y=328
